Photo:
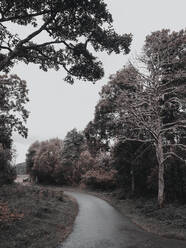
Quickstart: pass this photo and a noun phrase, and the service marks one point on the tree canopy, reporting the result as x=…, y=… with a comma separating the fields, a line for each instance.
x=13, y=115
x=147, y=103
x=74, y=29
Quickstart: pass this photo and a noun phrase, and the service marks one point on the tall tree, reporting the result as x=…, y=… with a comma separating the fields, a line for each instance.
x=13, y=114
x=148, y=104
x=165, y=57
x=74, y=145
x=107, y=124
x=73, y=27
x=30, y=157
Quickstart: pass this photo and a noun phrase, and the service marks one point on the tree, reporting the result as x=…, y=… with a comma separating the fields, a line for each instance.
x=13, y=115
x=73, y=146
x=108, y=126
x=165, y=58
x=94, y=137
x=30, y=157
x=47, y=160
x=7, y=171
x=56, y=161
x=73, y=28
x=149, y=104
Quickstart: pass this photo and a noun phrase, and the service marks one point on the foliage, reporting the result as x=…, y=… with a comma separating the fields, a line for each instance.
x=107, y=124
x=56, y=161
x=135, y=162
x=101, y=175
x=47, y=159
x=13, y=115
x=100, y=179
x=85, y=162
x=94, y=137
x=7, y=215
x=146, y=103
x=175, y=181
x=30, y=156
x=7, y=172
x=73, y=29
x=73, y=146
x=21, y=168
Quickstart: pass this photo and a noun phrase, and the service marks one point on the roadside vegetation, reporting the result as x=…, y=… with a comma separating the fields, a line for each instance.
x=34, y=216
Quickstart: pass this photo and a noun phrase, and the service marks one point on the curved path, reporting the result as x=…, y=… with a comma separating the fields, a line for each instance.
x=99, y=225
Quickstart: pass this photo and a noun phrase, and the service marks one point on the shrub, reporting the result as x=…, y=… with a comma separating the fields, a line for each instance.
x=100, y=179
x=100, y=174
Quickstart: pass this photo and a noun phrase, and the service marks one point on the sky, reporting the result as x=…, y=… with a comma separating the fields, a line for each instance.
x=57, y=107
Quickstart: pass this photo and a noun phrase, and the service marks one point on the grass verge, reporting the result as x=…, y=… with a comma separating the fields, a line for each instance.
x=34, y=216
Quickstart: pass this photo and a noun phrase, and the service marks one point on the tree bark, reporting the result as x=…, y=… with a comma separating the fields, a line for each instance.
x=132, y=180
x=161, y=183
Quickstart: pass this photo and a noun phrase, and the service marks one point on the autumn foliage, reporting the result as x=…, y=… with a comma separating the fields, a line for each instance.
x=56, y=161
x=69, y=162
x=44, y=159
x=6, y=215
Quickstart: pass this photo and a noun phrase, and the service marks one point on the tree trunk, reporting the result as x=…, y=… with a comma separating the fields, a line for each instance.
x=161, y=183
x=132, y=180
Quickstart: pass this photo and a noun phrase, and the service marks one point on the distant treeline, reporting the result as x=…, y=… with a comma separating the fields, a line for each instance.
x=21, y=168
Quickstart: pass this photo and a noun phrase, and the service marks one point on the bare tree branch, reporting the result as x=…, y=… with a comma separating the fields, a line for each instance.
x=172, y=154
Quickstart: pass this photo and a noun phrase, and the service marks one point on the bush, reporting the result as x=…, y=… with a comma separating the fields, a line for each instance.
x=100, y=175
x=100, y=179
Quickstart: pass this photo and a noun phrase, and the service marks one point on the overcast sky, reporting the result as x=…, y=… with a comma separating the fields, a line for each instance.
x=55, y=106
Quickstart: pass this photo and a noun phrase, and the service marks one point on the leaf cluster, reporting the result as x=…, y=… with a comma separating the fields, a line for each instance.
x=13, y=98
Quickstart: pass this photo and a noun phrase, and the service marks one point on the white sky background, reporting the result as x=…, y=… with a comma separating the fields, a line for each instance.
x=57, y=107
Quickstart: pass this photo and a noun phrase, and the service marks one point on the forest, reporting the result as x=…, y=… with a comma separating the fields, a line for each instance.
x=136, y=142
